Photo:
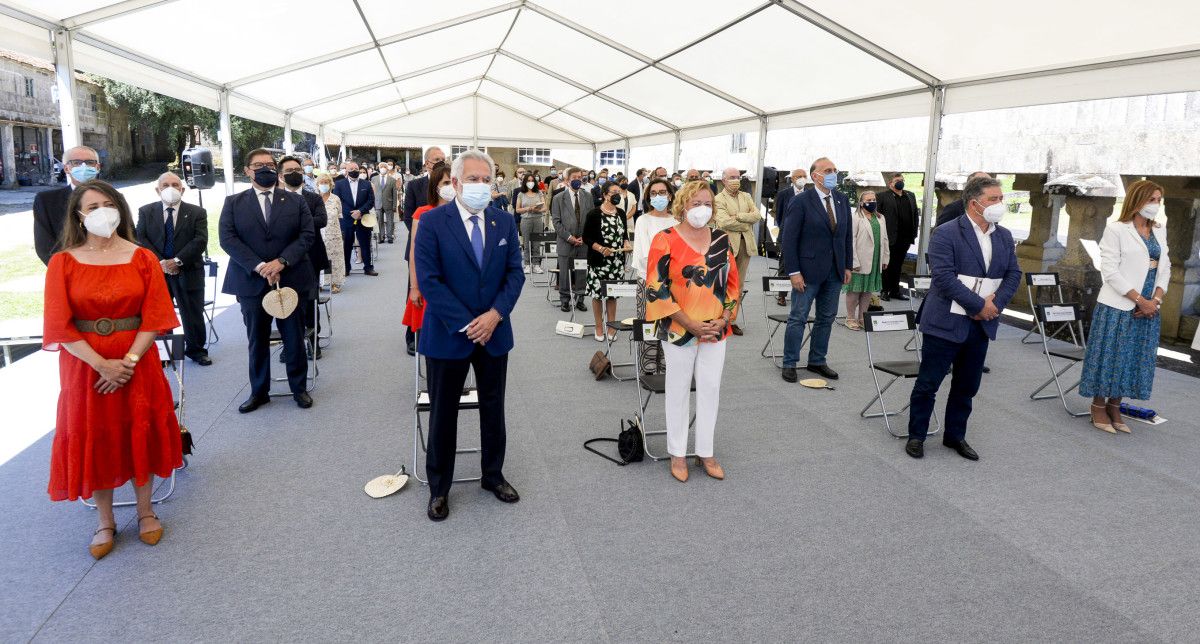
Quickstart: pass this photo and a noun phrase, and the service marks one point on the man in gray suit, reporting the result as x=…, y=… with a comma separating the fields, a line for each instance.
x=567, y=210
x=177, y=234
x=385, y=204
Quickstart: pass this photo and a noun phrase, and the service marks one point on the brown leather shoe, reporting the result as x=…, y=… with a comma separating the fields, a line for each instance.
x=99, y=550
x=711, y=467
x=150, y=537
x=679, y=468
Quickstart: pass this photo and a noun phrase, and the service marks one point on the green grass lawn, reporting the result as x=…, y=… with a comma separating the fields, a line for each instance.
x=23, y=262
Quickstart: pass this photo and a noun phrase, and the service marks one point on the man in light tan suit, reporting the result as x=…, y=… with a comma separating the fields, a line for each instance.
x=736, y=214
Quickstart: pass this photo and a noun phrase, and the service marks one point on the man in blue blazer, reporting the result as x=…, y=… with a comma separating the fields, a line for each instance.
x=968, y=248
x=267, y=232
x=468, y=263
x=817, y=251
x=354, y=191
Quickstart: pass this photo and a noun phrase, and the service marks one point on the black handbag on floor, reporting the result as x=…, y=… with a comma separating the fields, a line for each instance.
x=629, y=444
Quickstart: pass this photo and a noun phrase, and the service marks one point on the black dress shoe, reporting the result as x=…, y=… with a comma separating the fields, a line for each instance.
x=253, y=403
x=411, y=350
x=439, y=508
x=987, y=369
x=823, y=370
x=303, y=400
x=874, y=307
x=202, y=360
x=915, y=448
x=503, y=491
x=371, y=272
x=963, y=450
x=885, y=297
x=580, y=306
x=565, y=307
x=789, y=374
x=900, y=296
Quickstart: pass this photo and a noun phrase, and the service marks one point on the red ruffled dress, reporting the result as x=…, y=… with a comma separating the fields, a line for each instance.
x=414, y=315
x=101, y=441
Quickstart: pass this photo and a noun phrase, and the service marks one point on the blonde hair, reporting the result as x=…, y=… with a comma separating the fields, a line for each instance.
x=1138, y=194
x=685, y=194
x=325, y=178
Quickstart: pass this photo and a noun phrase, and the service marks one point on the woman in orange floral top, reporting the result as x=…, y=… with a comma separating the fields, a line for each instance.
x=692, y=286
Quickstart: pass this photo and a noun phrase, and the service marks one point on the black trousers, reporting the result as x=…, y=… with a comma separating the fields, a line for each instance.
x=937, y=356
x=258, y=333
x=446, y=379
x=363, y=234
x=191, y=309
x=891, y=276
x=576, y=283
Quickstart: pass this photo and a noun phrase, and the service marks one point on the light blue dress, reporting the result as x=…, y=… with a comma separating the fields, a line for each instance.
x=1121, y=349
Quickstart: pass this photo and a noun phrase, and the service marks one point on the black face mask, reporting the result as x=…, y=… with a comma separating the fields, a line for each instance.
x=614, y=199
x=266, y=177
x=353, y=174
x=294, y=180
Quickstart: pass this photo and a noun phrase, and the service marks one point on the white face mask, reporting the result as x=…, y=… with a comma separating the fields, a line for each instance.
x=699, y=216
x=446, y=192
x=170, y=196
x=994, y=213
x=1149, y=211
x=530, y=185
x=101, y=222
x=801, y=182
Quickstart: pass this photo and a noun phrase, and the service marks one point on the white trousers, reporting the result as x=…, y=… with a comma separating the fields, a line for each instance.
x=705, y=361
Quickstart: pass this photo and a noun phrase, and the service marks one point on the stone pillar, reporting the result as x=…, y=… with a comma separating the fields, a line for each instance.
x=1041, y=248
x=1089, y=203
x=9, y=156
x=45, y=144
x=1181, y=202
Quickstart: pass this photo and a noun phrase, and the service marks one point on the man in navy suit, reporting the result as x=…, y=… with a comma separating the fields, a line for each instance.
x=267, y=232
x=354, y=191
x=416, y=194
x=468, y=262
x=962, y=253
x=817, y=251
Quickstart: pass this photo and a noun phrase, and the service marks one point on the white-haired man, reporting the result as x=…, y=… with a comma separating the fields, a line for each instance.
x=735, y=213
x=468, y=263
x=50, y=206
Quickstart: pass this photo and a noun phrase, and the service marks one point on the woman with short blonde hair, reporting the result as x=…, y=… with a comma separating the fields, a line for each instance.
x=332, y=232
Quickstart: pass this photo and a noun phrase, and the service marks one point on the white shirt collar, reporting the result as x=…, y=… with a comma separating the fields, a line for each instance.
x=467, y=214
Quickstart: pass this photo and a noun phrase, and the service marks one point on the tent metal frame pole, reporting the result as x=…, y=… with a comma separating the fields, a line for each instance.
x=64, y=79
x=475, y=121
x=226, y=131
x=520, y=92
x=929, y=206
x=528, y=115
x=676, y=151
x=760, y=161
x=627, y=153
x=320, y=156
x=595, y=156
x=288, y=147
x=111, y=11
x=390, y=103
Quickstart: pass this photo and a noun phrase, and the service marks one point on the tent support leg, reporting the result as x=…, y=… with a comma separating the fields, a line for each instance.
x=226, y=131
x=929, y=205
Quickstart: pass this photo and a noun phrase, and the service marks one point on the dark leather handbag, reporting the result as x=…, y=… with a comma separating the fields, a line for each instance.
x=599, y=365
x=629, y=444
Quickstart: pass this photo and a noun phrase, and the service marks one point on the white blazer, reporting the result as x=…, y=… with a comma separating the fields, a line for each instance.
x=1125, y=260
x=864, y=242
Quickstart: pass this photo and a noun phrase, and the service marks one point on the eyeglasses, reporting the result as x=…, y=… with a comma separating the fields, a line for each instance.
x=259, y=166
x=294, y=171
x=91, y=163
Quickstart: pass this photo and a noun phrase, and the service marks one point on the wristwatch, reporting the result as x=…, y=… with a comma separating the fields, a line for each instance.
x=283, y=261
x=132, y=357
x=178, y=262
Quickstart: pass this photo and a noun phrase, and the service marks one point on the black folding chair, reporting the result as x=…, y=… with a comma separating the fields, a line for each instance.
x=314, y=370
x=1065, y=314
x=651, y=384
x=1036, y=285
x=546, y=243
x=619, y=289
x=882, y=322
x=772, y=286
x=917, y=286
x=211, y=267
x=469, y=400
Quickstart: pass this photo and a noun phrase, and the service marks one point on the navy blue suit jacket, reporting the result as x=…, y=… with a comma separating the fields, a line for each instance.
x=245, y=235
x=363, y=202
x=808, y=241
x=954, y=251
x=456, y=289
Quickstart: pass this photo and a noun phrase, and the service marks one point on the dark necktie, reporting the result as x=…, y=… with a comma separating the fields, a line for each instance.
x=578, y=217
x=169, y=234
x=829, y=209
x=266, y=206
x=477, y=240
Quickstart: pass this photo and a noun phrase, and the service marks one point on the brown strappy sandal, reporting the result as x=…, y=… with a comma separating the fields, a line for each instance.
x=99, y=551
x=150, y=537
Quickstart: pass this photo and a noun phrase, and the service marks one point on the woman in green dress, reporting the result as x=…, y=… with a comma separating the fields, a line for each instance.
x=870, y=235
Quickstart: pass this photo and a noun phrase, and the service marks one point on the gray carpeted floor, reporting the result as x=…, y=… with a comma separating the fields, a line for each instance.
x=823, y=531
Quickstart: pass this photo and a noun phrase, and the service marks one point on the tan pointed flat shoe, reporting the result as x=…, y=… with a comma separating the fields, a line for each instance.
x=679, y=468
x=100, y=550
x=150, y=537
x=1104, y=427
x=1116, y=418
x=711, y=467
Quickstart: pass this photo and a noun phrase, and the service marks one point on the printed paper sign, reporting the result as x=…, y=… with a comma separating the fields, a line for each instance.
x=779, y=286
x=889, y=322
x=1060, y=313
x=922, y=283
x=469, y=398
x=647, y=331
x=570, y=329
x=621, y=289
x=1042, y=279
x=550, y=248
x=581, y=264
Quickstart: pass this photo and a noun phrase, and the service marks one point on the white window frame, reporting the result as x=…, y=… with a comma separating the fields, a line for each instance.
x=613, y=158
x=534, y=156
x=737, y=143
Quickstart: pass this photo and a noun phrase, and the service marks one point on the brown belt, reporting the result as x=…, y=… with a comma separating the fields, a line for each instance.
x=108, y=326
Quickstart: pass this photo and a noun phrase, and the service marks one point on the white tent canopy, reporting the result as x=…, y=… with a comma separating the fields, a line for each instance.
x=542, y=71
x=560, y=73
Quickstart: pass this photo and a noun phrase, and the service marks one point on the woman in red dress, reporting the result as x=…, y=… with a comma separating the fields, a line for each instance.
x=440, y=194
x=106, y=300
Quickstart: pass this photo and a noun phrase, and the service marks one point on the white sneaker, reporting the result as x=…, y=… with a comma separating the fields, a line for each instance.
x=598, y=337
x=525, y=269
x=538, y=269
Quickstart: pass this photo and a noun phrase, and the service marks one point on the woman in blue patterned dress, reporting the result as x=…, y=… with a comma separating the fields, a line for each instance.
x=1123, y=342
